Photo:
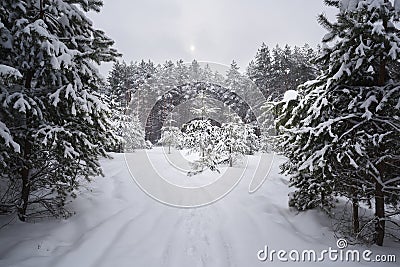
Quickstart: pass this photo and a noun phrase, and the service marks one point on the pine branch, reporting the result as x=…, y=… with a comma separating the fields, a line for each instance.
x=333, y=3
x=323, y=20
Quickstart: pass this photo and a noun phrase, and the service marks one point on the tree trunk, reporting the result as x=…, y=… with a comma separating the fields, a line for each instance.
x=380, y=214
x=356, y=220
x=26, y=186
x=25, y=172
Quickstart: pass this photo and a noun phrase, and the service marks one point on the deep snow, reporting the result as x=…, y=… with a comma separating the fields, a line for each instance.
x=116, y=224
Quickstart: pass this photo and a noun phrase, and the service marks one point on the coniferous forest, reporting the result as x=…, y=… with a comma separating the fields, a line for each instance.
x=316, y=128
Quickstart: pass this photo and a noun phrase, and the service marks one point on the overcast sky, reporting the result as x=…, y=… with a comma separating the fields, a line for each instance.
x=207, y=30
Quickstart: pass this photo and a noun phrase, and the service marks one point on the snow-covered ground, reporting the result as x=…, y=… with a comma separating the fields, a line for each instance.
x=116, y=224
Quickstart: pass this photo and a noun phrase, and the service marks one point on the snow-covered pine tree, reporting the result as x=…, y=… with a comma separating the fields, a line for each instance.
x=201, y=137
x=283, y=69
x=218, y=78
x=132, y=132
x=127, y=126
x=236, y=140
x=260, y=70
x=234, y=79
x=131, y=89
x=342, y=137
x=304, y=68
x=277, y=80
x=204, y=107
x=252, y=140
x=207, y=74
x=165, y=86
x=167, y=78
x=8, y=188
x=171, y=136
x=182, y=77
x=195, y=71
x=146, y=93
x=181, y=72
x=121, y=81
x=286, y=69
x=52, y=112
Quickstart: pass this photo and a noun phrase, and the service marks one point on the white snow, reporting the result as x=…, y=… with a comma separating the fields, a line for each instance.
x=378, y=28
x=360, y=50
x=7, y=138
x=55, y=97
x=366, y=105
x=21, y=104
x=116, y=224
x=359, y=63
x=290, y=95
x=9, y=71
x=351, y=5
x=370, y=69
x=394, y=50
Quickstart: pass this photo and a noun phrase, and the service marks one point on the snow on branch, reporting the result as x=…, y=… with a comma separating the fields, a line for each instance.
x=8, y=71
x=8, y=140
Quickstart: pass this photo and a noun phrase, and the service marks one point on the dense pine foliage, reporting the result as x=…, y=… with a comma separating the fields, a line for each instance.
x=53, y=123
x=333, y=112
x=282, y=69
x=341, y=136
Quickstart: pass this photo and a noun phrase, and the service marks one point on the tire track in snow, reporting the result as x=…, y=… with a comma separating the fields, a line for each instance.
x=133, y=240
x=197, y=240
x=97, y=238
x=117, y=235
x=168, y=245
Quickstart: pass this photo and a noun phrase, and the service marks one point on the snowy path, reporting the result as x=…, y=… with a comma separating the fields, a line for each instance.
x=119, y=225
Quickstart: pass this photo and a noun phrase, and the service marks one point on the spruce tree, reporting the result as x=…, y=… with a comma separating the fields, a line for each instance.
x=280, y=70
x=342, y=137
x=171, y=136
x=201, y=137
x=182, y=77
x=236, y=140
x=195, y=71
x=260, y=71
x=52, y=111
x=121, y=84
x=233, y=79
